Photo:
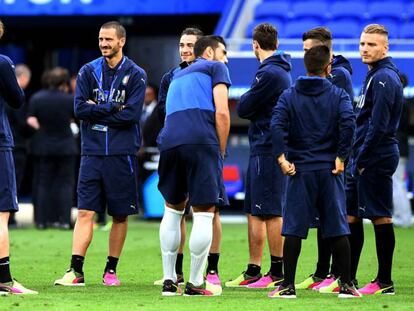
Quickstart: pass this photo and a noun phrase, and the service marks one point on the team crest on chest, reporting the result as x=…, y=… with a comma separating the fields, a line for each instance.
x=125, y=80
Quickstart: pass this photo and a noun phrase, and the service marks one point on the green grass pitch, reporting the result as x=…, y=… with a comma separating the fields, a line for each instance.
x=40, y=257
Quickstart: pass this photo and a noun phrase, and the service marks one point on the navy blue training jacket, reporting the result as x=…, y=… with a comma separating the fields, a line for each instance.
x=378, y=115
x=11, y=94
x=341, y=75
x=106, y=130
x=256, y=105
x=164, y=86
x=319, y=121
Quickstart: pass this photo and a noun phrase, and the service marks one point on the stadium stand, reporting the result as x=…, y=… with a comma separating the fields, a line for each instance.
x=345, y=17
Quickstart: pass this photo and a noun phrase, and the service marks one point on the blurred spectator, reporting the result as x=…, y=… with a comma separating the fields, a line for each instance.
x=72, y=83
x=21, y=131
x=55, y=149
x=150, y=123
x=402, y=207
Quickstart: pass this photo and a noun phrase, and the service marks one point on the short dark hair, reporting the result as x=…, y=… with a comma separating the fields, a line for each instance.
x=57, y=77
x=266, y=35
x=322, y=34
x=119, y=29
x=154, y=87
x=207, y=41
x=192, y=31
x=317, y=59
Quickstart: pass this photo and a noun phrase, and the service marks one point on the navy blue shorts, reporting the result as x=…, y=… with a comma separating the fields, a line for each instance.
x=193, y=171
x=111, y=180
x=265, y=187
x=315, y=222
x=374, y=188
x=351, y=193
x=8, y=189
x=307, y=191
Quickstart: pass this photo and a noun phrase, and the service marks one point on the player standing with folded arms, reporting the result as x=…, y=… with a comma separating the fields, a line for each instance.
x=108, y=100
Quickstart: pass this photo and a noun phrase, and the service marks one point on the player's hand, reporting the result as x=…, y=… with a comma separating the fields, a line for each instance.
x=33, y=122
x=287, y=168
x=339, y=167
x=90, y=102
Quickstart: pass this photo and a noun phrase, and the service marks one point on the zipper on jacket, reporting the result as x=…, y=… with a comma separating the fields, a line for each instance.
x=106, y=142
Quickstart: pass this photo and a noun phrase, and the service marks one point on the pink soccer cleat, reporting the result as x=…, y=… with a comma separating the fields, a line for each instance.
x=377, y=288
x=110, y=279
x=266, y=281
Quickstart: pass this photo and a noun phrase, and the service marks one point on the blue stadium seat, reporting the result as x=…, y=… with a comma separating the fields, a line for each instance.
x=409, y=12
x=407, y=31
x=344, y=30
x=246, y=47
x=295, y=29
x=316, y=10
x=272, y=9
x=348, y=11
x=392, y=10
x=275, y=22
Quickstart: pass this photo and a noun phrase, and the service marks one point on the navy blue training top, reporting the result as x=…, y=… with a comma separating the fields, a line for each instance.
x=320, y=122
x=10, y=94
x=272, y=78
x=341, y=75
x=105, y=129
x=378, y=115
x=190, y=109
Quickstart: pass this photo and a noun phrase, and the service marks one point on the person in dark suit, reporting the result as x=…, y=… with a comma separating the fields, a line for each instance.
x=54, y=148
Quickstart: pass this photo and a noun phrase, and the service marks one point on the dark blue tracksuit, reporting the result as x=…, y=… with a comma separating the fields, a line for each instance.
x=375, y=148
x=341, y=75
x=319, y=121
x=110, y=134
x=12, y=95
x=164, y=86
x=264, y=180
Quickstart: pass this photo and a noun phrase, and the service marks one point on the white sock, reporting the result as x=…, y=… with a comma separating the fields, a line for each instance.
x=170, y=236
x=200, y=242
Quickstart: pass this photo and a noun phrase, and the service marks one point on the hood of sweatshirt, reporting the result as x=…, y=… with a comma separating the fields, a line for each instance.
x=312, y=85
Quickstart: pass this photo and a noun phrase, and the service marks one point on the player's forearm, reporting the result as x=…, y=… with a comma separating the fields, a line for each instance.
x=85, y=110
x=223, y=129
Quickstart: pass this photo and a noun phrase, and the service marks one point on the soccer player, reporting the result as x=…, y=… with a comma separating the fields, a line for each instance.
x=108, y=100
x=11, y=94
x=325, y=280
x=375, y=156
x=188, y=38
x=192, y=144
x=265, y=182
x=316, y=119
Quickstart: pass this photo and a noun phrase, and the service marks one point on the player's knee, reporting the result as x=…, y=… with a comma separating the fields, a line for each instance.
x=85, y=215
x=353, y=219
x=119, y=219
x=381, y=220
x=204, y=209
